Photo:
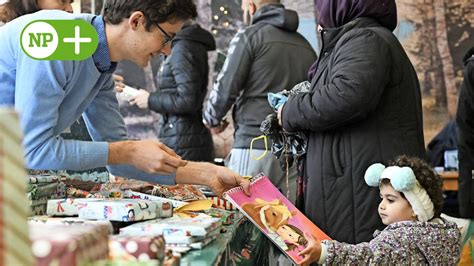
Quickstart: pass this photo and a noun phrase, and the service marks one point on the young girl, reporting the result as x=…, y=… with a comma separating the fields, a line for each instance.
x=411, y=205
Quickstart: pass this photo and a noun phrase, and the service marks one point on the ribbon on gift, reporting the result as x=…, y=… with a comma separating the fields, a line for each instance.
x=60, y=207
x=187, y=211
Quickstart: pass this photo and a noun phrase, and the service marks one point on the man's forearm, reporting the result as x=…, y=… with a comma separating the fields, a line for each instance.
x=119, y=152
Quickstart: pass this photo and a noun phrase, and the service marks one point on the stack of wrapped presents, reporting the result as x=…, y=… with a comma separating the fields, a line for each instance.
x=86, y=219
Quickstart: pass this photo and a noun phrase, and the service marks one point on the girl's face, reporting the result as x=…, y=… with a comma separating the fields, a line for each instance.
x=64, y=5
x=288, y=234
x=393, y=207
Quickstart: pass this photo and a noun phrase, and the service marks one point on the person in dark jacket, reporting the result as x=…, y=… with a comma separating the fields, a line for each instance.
x=364, y=106
x=267, y=56
x=182, y=86
x=465, y=121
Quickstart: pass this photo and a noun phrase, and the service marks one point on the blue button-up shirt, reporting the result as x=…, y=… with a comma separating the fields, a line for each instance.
x=51, y=95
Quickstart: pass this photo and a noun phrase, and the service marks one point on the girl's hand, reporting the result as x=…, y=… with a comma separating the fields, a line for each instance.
x=312, y=252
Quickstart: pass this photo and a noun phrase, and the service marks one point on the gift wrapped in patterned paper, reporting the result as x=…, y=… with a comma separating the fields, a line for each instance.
x=45, y=186
x=128, y=261
x=88, y=176
x=178, y=236
x=96, y=177
x=37, y=206
x=44, y=179
x=225, y=216
x=179, y=192
x=125, y=210
x=14, y=242
x=188, y=226
x=194, y=245
x=137, y=195
x=37, y=191
x=66, y=207
x=70, y=221
x=141, y=248
x=126, y=184
x=68, y=245
x=73, y=192
x=221, y=203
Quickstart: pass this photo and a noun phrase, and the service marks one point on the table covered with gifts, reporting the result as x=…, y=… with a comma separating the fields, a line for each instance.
x=116, y=221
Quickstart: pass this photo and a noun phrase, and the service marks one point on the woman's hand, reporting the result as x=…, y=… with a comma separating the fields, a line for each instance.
x=141, y=100
x=119, y=85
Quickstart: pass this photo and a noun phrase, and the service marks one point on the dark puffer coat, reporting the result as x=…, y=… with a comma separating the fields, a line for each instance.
x=465, y=121
x=182, y=86
x=364, y=107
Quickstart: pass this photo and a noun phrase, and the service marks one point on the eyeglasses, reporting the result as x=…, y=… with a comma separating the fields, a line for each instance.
x=168, y=38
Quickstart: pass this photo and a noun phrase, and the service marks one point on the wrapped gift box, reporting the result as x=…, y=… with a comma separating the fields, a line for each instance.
x=196, y=245
x=44, y=179
x=180, y=192
x=124, y=210
x=37, y=191
x=37, y=206
x=70, y=221
x=222, y=204
x=137, y=195
x=189, y=226
x=65, y=207
x=141, y=248
x=183, y=238
x=225, y=216
x=14, y=242
x=55, y=244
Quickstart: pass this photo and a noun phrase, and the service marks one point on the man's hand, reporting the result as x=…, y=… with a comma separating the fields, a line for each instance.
x=147, y=155
x=141, y=100
x=224, y=179
x=312, y=252
x=119, y=85
x=218, y=178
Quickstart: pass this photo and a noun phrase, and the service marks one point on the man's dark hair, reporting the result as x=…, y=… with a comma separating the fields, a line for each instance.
x=155, y=11
x=16, y=8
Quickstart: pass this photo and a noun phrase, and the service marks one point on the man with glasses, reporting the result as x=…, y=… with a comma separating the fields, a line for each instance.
x=168, y=38
x=51, y=95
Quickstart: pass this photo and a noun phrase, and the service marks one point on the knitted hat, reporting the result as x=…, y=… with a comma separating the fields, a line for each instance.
x=403, y=179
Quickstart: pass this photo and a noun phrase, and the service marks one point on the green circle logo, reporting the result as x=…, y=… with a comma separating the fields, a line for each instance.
x=59, y=40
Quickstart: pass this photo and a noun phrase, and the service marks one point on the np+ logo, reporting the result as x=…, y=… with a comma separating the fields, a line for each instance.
x=59, y=39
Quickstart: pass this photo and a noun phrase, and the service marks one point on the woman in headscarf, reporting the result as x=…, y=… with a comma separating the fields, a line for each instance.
x=364, y=106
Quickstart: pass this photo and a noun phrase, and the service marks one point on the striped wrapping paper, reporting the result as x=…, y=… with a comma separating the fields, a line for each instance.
x=14, y=241
x=222, y=203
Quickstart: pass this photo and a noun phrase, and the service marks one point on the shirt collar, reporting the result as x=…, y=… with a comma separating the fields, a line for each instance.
x=101, y=56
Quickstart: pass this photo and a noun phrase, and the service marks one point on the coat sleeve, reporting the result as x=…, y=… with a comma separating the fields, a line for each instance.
x=359, y=72
x=187, y=71
x=379, y=251
x=230, y=80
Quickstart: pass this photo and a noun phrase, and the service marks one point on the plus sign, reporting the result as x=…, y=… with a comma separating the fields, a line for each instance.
x=77, y=40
